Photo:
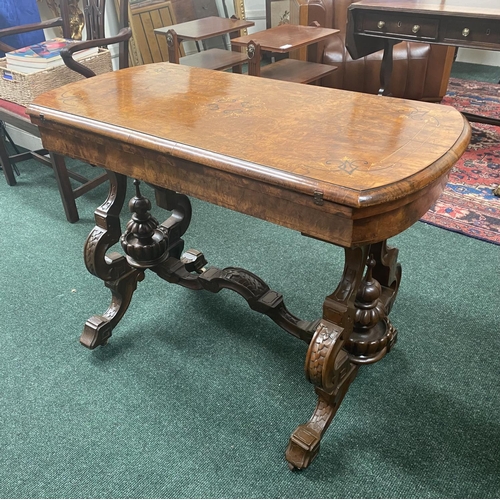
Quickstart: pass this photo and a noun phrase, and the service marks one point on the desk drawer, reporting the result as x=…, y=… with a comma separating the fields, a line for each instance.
x=465, y=30
x=398, y=25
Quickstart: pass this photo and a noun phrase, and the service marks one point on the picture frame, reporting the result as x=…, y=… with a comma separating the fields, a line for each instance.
x=283, y=12
x=277, y=12
x=239, y=9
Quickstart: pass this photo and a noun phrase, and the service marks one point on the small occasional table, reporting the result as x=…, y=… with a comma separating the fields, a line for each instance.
x=284, y=39
x=346, y=168
x=202, y=29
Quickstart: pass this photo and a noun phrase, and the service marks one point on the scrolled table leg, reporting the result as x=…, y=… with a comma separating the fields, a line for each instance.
x=355, y=330
x=113, y=269
x=146, y=244
x=328, y=367
x=106, y=233
x=98, y=328
x=387, y=272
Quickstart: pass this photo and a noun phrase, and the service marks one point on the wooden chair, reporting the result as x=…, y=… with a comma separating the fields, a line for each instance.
x=15, y=115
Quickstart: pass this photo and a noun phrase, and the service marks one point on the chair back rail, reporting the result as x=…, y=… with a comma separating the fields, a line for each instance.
x=94, y=11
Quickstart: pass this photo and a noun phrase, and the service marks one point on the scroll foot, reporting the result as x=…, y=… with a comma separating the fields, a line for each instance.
x=305, y=440
x=302, y=448
x=96, y=332
x=98, y=328
x=328, y=367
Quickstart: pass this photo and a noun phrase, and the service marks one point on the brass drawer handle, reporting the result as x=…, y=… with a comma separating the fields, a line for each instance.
x=416, y=28
x=381, y=24
x=465, y=32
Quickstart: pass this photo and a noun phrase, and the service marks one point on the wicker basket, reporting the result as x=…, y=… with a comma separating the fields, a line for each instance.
x=22, y=88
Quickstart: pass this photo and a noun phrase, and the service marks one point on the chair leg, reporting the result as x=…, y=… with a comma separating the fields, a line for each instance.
x=64, y=185
x=8, y=172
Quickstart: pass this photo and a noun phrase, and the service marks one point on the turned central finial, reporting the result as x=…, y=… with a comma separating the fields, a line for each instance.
x=139, y=205
x=369, y=307
x=144, y=244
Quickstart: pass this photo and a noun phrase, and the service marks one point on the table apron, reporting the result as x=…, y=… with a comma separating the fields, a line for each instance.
x=341, y=225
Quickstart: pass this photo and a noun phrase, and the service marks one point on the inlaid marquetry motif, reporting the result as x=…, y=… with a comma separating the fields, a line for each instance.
x=349, y=165
x=424, y=115
x=230, y=106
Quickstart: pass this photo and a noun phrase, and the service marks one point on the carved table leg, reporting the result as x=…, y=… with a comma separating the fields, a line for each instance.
x=354, y=330
x=114, y=270
x=146, y=244
x=98, y=328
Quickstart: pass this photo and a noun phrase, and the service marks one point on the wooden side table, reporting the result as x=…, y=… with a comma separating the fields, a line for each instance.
x=202, y=29
x=284, y=39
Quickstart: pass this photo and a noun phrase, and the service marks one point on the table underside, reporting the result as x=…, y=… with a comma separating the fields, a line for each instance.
x=353, y=330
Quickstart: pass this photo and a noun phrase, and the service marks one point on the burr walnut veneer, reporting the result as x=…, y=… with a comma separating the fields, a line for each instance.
x=347, y=168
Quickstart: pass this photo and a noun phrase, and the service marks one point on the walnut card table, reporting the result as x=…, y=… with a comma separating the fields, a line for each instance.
x=347, y=168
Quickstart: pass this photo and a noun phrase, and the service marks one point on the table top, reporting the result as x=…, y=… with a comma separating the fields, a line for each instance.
x=483, y=8
x=285, y=37
x=206, y=27
x=356, y=149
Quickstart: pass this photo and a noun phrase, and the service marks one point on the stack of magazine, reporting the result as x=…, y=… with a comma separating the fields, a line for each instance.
x=44, y=55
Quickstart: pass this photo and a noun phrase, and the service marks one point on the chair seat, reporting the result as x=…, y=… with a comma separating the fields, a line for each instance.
x=15, y=114
x=14, y=108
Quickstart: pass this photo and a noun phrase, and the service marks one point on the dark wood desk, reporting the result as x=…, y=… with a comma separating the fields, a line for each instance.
x=379, y=24
x=347, y=168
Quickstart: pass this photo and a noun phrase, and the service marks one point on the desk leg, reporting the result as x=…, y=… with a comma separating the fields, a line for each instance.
x=355, y=330
x=173, y=47
x=386, y=68
x=254, y=57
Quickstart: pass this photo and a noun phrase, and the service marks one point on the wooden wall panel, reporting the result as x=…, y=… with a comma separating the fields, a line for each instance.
x=143, y=21
x=145, y=16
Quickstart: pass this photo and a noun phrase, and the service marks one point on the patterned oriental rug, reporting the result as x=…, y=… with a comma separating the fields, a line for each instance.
x=468, y=205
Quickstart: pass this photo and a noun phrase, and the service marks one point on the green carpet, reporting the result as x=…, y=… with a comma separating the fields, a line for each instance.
x=196, y=395
x=480, y=72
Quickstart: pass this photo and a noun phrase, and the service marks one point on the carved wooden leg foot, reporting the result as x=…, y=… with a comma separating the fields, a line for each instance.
x=355, y=330
x=146, y=245
x=305, y=440
x=329, y=369
x=98, y=328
